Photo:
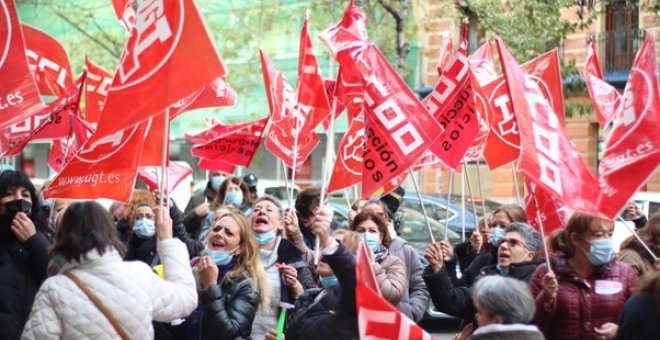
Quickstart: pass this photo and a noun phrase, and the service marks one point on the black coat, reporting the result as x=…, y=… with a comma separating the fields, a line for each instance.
x=457, y=301
x=640, y=319
x=289, y=254
x=228, y=309
x=334, y=315
x=145, y=249
x=22, y=270
x=192, y=221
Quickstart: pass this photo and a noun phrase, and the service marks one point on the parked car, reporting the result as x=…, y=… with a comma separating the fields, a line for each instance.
x=490, y=204
x=438, y=209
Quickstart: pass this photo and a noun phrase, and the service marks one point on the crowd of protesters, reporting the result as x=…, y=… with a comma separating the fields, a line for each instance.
x=235, y=265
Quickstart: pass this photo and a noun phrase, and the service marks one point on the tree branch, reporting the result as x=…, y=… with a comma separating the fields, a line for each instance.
x=113, y=42
x=89, y=36
x=388, y=7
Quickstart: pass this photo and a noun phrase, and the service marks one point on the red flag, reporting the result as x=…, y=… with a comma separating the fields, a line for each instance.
x=152, y=150
x=18, y=91
x=125, y=13
x=169, y=55
x=216, y=130
x=51, y=122
x=281, y=135
x=446, y=51
x=547, y=156
x=103, y=168
x=80, y=133
x=311, y=96
x=605, y=97
x=503, y=142
x=482, y=65
x=48, y=62
x=348, y=165
x=428, y=161
x=398, y=127
x=237, y=147
x=152, y=175
x=98, y=84
x=633, y=150
x=214, y=165
x=216, y=94
x=452, y=104
x=377, y=318
x=552, y=213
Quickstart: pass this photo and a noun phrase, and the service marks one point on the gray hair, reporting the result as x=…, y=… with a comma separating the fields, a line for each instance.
x=531, y=237
x=509, y=298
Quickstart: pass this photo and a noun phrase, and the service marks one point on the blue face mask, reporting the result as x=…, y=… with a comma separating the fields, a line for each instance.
x=234, y=198
x=496, y=235
x=221, y=258
x=373, y=240
x=216, y=181
x=266, y=237
x=601, y=252
x=329, y=281
x=144, y=228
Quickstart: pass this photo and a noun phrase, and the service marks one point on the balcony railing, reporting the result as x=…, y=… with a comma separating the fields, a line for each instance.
x=617, y=49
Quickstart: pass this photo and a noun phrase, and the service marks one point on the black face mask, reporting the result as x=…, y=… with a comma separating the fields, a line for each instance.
x=14, y=207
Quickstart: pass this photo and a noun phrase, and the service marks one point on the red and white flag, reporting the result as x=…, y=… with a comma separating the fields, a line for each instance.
x=169, y=55
x=18, y=91
x=398, y=127
x=152, y=175
x=48, y=62
x=80, y=133
x=377, y=318
x=452, y=104
x=503, y=142
x=633, y=149
x=541, y=204
x=96, y=90
x=51, y=122
x=348, y=165
x=215, y=165
x=216, y=94
x=547, y=156
x=237, y=147
x=284, y=126
x=125, y=13
x=311, y=95
x=605, y=97
x=102, y=168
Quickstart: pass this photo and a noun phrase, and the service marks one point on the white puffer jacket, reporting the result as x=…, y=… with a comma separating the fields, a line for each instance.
x=132, y=292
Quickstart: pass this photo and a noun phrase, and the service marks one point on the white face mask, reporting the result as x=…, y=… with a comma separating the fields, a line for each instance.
x=216, y=181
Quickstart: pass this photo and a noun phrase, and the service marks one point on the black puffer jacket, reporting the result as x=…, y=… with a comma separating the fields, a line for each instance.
x=457, y=301
x=228, y=309
x=145, y=249
x=22, y=270
x=289, y=254
x=334, y=315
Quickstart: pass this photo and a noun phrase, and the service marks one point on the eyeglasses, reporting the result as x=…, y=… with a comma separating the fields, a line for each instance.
x=511, y=242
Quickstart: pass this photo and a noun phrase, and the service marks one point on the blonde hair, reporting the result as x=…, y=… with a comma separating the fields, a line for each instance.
x=247, y=263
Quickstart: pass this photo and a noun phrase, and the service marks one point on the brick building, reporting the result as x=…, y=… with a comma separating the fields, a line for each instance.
x=618, y=32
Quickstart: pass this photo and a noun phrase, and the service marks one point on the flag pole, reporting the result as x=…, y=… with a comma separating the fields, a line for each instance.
x=515, y=183
x=481, y=195
x=163, y=167
x=450, y=184
x=421, y=203
x=639, y=239
x=463, y=207
x=539, y=220
x=474, y=206
x=295, y=153
x=286, y=185
x=329, y=146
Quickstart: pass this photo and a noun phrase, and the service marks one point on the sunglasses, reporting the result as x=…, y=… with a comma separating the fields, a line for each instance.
x=511, y=242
